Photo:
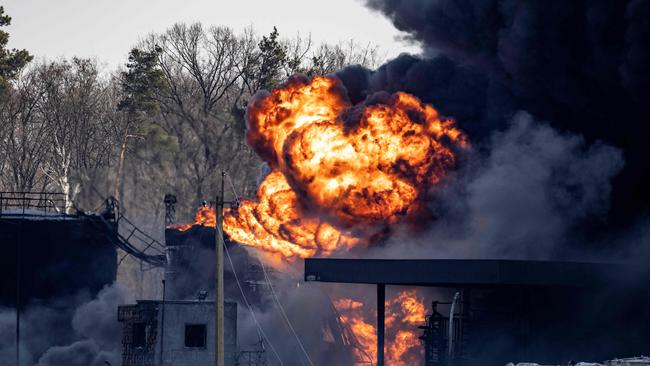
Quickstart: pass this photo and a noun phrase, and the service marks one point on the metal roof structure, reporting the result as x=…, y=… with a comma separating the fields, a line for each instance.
x=458, y=272
x=454, y=273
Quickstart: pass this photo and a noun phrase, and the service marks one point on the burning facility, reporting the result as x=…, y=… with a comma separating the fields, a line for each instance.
x=175, y=332
x=360, y=165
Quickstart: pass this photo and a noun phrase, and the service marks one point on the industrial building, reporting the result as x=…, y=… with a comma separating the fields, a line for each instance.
x=45, y=248
x=496, y=311
x=175, y=332
x=488, y=312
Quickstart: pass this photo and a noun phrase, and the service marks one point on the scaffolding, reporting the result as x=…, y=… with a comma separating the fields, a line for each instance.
x=134, y=354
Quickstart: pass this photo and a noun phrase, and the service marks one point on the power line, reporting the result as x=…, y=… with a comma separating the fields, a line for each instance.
x=284, y=314
x=275, y=296
x=248, y=305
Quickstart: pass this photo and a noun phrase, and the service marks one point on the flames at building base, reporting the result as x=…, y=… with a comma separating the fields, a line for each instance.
x=404, y=313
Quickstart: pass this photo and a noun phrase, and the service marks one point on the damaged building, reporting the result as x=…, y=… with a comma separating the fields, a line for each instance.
x=496, y=311
x=175, y=332
x=46, y=247
x=180, y=329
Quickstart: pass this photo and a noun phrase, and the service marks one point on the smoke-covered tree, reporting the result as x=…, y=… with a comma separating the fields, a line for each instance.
x=202, y=70
x=330, y=58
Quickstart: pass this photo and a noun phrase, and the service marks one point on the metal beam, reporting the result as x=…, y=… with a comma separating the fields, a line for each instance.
x=381, y=313
x=457, y=272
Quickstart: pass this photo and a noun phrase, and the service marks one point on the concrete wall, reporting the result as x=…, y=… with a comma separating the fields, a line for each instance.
x=180, y=313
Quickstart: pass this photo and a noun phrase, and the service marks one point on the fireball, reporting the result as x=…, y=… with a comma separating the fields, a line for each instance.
x=341, y=173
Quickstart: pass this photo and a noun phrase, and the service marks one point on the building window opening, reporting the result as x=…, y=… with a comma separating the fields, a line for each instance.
x=195, y=335
x=139, y=335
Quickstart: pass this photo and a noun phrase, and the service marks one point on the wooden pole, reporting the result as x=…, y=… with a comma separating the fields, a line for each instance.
x=219, y=299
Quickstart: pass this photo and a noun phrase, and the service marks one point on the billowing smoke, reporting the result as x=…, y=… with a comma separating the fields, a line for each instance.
x=582, y=66
x=529, y=194
x=75, y=331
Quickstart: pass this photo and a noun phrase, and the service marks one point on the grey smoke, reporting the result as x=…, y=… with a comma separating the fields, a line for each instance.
x=308, y=324
x=66, y=331
x=80, y=353
x=526, y=196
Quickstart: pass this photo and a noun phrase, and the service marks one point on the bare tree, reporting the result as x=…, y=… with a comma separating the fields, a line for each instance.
x=330, y=58
x=72, y=110
x=23, y=143
x=202, y=69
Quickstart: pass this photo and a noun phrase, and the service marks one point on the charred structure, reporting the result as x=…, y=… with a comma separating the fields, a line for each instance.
x=46, y=249
x=191, y=266
x=179, y=333
x=191, y=270
x=548, y=312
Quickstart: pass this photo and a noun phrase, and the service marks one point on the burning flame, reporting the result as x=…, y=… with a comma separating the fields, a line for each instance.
x=205, y=216
x=404, y=313
x=341, y=174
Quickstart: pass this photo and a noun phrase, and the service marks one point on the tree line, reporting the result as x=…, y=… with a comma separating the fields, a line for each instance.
x=168, y=121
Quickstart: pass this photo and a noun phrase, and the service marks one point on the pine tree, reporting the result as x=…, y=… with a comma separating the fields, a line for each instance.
x=273, y=59
x=11, y=60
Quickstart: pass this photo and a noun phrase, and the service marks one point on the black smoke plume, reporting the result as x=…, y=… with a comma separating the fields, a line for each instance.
x=583, y=66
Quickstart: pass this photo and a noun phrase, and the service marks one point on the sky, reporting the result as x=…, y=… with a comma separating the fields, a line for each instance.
x=107, y=29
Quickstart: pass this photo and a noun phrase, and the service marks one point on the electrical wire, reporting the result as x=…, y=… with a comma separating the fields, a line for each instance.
x=248, y=305
x=275, y=296
x=284, y=314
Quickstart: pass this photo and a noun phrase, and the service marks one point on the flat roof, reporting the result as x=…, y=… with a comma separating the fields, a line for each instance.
x=458, y=272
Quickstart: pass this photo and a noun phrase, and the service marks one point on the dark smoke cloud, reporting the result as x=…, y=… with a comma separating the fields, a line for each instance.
x=552, y=95
x=549, y=49
x=67, y=331
x=584, y=66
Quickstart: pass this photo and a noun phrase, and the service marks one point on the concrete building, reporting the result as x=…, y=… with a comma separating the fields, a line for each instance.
x=180, y=332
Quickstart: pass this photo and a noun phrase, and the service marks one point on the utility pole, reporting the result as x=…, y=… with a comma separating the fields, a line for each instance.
x=162, y=324
x=219, y=300
x=381, y=313
x=18, y=296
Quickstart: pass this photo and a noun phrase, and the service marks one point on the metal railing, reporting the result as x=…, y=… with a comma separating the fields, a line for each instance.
x=32, y=203
x=139, y=244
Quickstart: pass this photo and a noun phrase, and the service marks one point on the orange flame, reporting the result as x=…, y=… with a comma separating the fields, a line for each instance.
x=403, y=314
x=336, y=166
x=205, y=216
x=340, y=175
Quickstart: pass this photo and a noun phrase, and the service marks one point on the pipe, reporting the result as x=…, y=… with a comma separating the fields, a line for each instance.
x=450, y=350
